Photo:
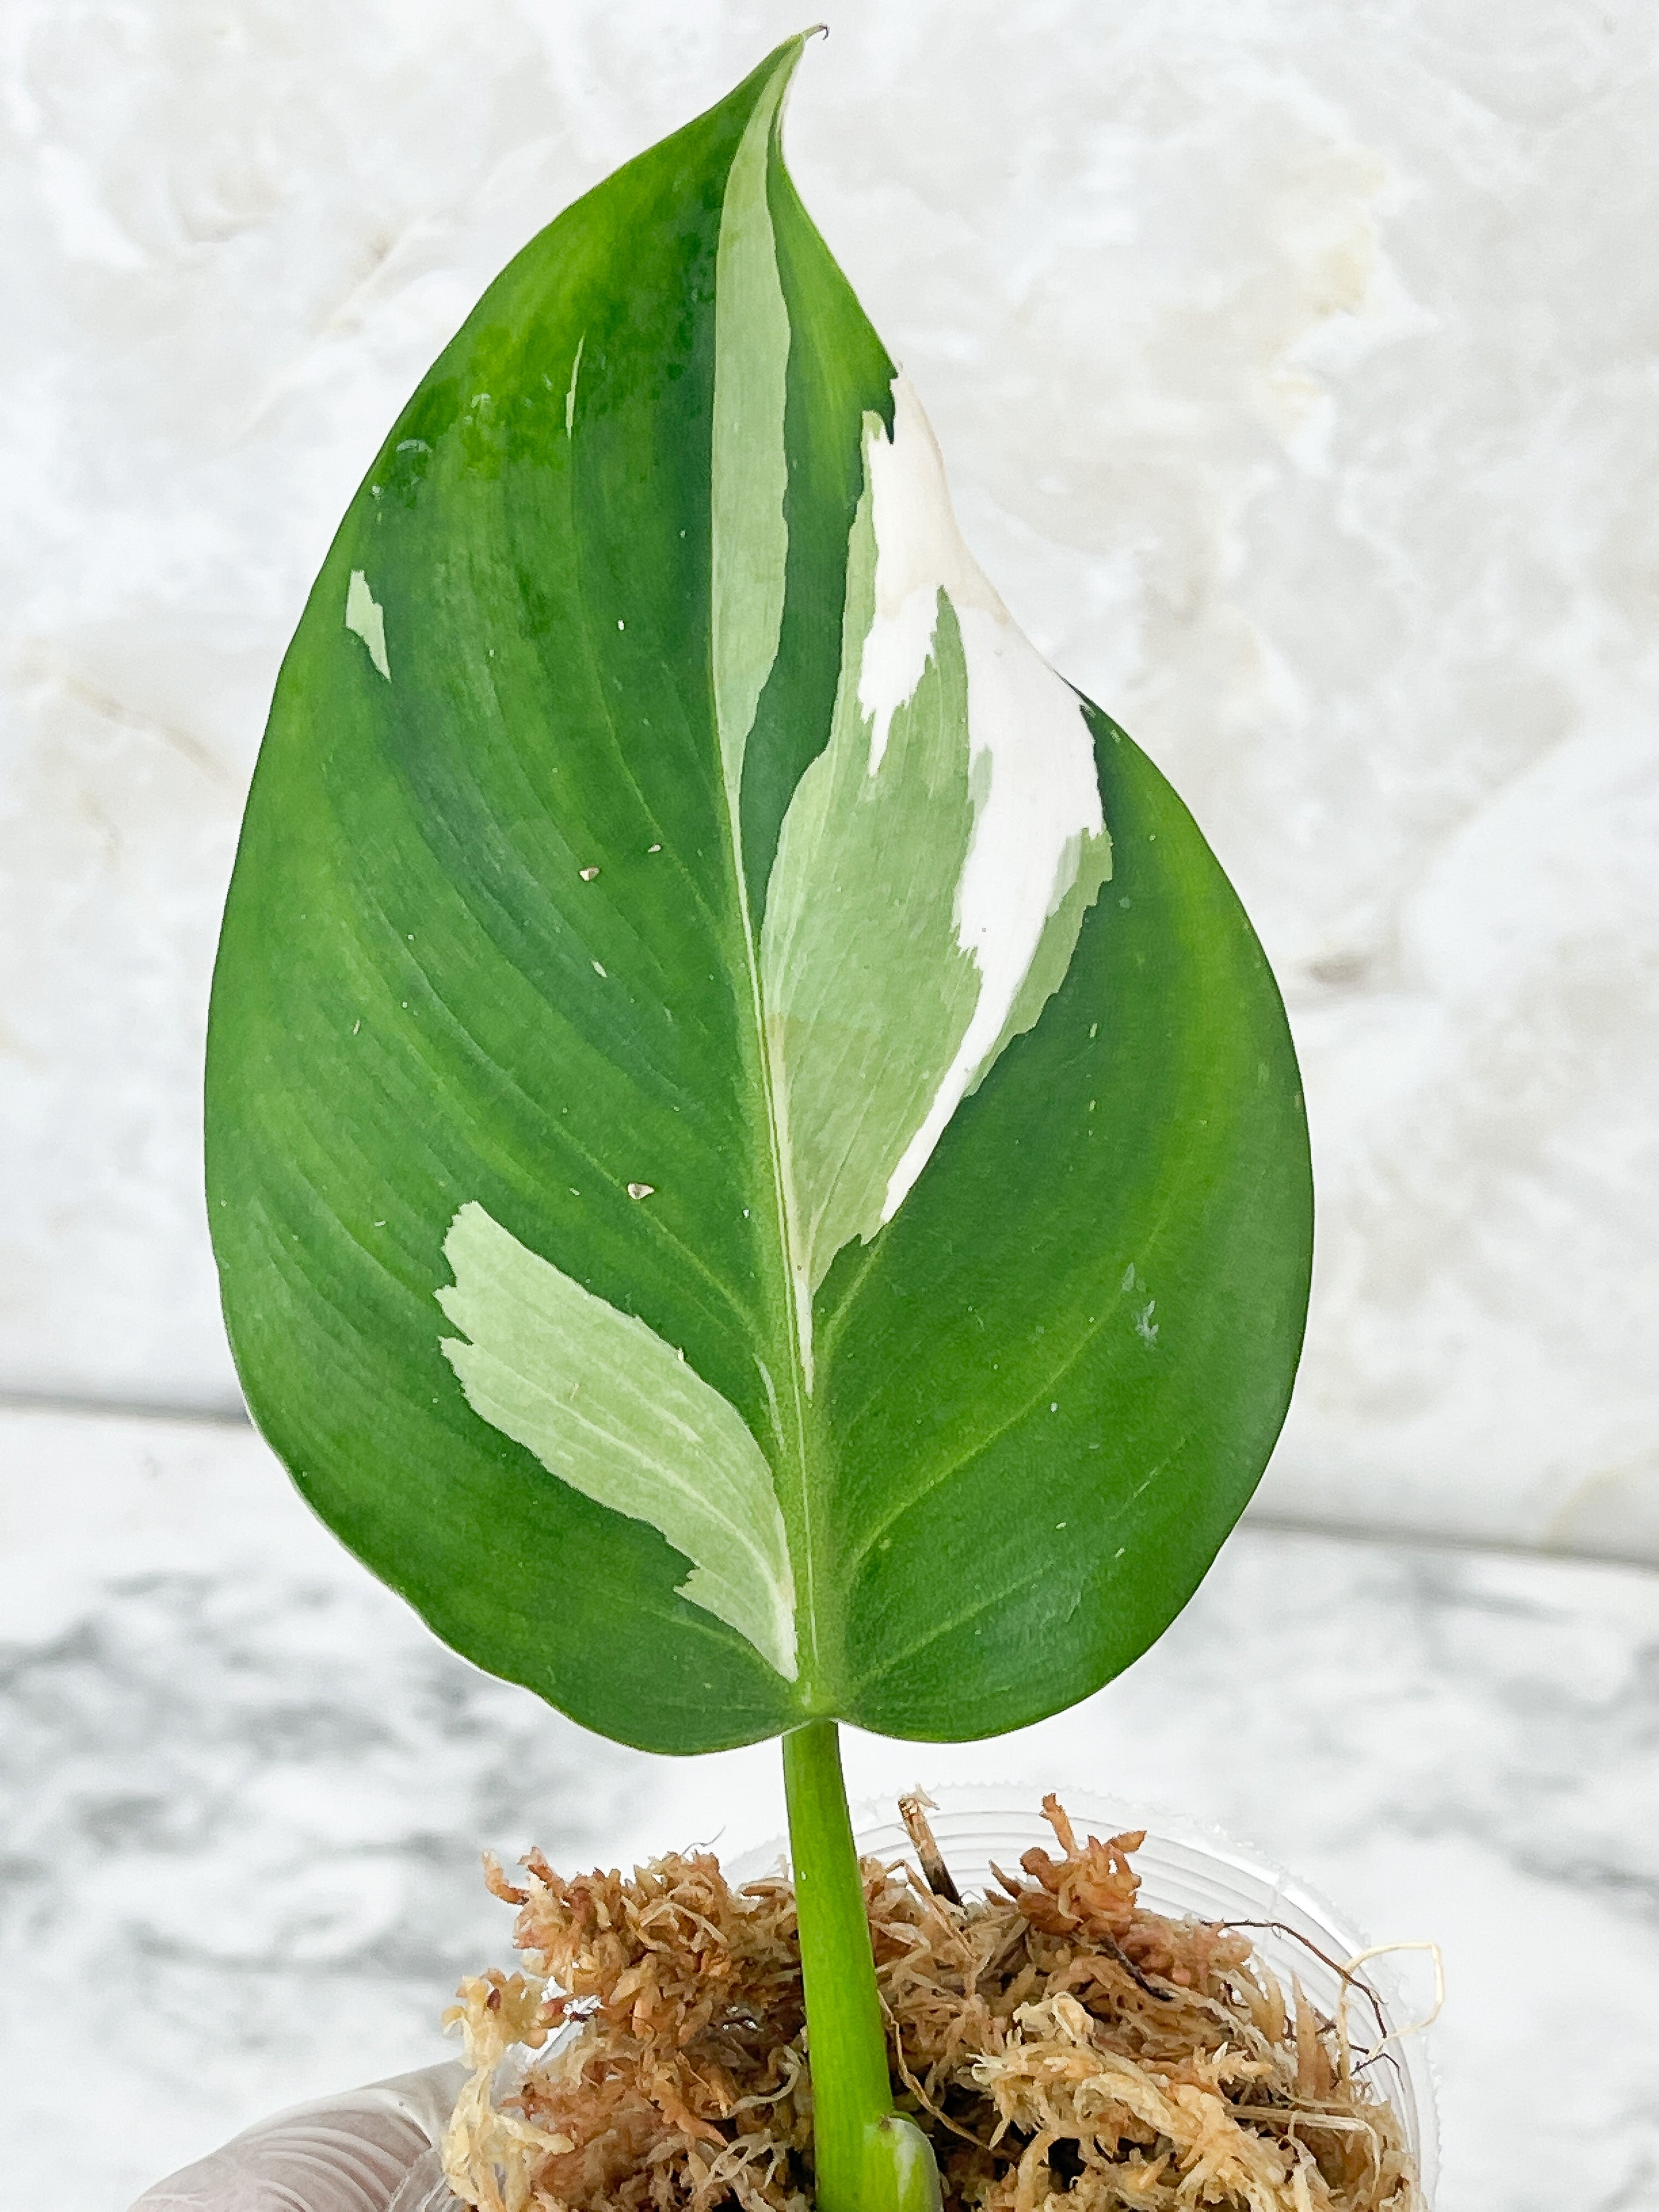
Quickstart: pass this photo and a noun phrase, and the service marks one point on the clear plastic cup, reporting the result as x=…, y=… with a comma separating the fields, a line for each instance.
x=1185, y=1868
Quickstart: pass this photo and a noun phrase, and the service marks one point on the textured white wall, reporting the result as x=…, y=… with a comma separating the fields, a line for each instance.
x=1298, y=366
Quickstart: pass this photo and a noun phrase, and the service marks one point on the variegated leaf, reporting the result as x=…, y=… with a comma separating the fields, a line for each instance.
x=755, y=1162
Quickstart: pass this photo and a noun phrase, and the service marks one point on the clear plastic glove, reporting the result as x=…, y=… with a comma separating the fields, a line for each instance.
x=374, y=2149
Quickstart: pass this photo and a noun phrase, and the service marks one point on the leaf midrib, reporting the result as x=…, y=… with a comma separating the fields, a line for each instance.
x=806, y=1611
x=783, y=1256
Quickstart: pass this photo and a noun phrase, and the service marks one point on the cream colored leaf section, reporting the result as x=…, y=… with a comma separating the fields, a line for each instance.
x=606, y=1406
x=867, y=993
x=933, y=870
x=1039, y=831
x=366, y=618
x=749, y=463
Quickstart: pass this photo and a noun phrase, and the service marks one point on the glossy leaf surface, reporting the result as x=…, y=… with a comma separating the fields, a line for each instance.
x=755, y=1162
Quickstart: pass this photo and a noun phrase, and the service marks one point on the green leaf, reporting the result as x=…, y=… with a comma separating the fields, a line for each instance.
x=756, y=1165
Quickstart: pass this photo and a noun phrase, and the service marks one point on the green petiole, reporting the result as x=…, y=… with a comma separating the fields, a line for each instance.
x=868, y=2157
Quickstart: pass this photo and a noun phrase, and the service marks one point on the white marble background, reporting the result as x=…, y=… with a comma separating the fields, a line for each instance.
x=1298, y=363
x=1299, y=366
x=242, y=1791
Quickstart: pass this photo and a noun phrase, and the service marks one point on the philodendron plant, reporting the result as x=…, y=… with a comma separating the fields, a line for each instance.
x=755, y=1162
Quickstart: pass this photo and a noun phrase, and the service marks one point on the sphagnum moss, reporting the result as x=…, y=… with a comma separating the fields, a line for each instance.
x=1055, y=2041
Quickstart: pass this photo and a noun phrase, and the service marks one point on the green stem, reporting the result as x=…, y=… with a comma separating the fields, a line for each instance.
x=867, y=2158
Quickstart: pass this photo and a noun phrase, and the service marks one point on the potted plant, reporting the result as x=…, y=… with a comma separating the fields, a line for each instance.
x=755, y=1162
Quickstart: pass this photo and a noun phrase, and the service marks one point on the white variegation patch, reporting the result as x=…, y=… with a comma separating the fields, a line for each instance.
x=604, y=1404
x=1031, y=759
x=749, y=463
x=933, y=869
x=571, y=389
x=365, y=618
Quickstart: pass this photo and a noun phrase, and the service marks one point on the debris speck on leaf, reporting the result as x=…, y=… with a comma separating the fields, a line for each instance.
x=642, y=1190
x=587, y=874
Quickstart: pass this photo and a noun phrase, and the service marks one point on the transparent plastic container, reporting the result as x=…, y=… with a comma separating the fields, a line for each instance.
x=1185, y=1868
